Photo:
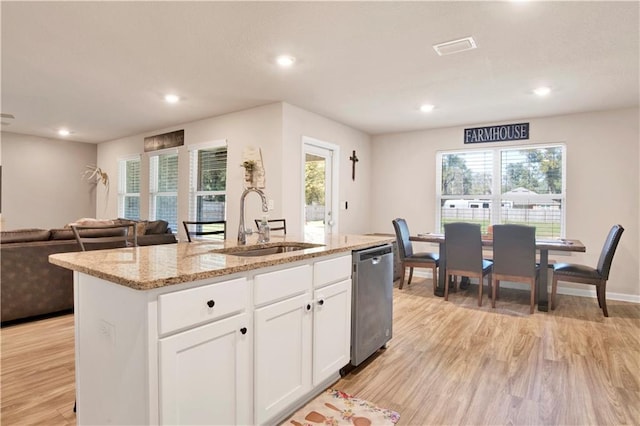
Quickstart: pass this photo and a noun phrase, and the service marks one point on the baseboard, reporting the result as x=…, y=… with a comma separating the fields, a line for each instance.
x=622, y=297
x=422, y=273
x=569, y=291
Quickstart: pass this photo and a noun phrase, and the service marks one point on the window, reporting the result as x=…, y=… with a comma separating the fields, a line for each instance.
x=129, y=188
x=208, y=181
x=163, y=189
x=524, y=185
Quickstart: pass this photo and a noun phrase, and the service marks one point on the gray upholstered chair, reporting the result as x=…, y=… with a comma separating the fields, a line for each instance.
x=204, y=228
x=274, y=224
x=99, y=237
x=514, y=258
x=582, y=274
x=410, y=259
x=463, y=248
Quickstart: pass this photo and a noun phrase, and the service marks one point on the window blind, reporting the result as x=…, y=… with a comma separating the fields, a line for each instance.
x=523, y=185
x=129, y=188
x=208, y=178
x=164, y=188
x=466, y=187
x=533, y=188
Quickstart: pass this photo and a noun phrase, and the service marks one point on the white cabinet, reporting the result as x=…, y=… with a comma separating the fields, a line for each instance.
x=205, y=369
x=199, y=305
x=332, y=270
x=282, y=355
x=331, y=330
x=245, y=350
x=205, y=374
x=303, y=340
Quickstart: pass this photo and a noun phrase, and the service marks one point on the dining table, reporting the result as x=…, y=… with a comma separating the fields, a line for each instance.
x=543, y=245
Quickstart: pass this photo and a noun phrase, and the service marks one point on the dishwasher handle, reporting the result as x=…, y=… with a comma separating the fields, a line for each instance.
x=373, y=253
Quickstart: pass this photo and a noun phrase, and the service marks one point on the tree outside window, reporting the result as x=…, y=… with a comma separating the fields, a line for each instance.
x=314, y=182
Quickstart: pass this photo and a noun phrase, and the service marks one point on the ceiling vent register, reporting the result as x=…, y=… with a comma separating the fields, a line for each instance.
x=455, y=46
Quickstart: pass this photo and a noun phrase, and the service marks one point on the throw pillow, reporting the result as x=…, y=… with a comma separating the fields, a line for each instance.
x=88, y=221
x=142, y=227
x=157, y=227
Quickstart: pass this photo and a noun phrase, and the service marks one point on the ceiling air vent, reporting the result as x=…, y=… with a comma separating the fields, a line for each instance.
x=455, y=46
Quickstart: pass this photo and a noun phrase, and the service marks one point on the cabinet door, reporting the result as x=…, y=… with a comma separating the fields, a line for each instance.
x=282, y=355
x=331, y=330
x=205, y=374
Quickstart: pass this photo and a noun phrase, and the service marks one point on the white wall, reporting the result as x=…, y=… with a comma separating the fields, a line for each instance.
x=297, y=123
x=259, y=127
x=277, y=129
x=602, y=182
x=42, y=185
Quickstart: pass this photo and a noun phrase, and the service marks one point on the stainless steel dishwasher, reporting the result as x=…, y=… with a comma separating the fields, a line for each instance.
x=372, y=301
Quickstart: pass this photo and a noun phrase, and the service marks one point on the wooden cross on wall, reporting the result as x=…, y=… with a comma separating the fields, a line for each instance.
x=354, y=159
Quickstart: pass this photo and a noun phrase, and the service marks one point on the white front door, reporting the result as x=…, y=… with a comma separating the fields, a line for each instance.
x=320, y=187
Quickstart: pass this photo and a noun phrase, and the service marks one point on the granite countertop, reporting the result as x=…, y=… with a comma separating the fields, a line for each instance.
x=149, y=267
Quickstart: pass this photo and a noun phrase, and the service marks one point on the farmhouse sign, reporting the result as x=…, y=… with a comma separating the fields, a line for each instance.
x=165, y=140
x=504, y=132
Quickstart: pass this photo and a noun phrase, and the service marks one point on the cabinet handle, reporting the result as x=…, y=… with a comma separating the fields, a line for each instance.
x=210, y=303
x=321, y=302
x=243, y=330
x=308, y=306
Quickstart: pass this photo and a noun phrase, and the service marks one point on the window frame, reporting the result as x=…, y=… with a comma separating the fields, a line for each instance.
x=194, y=175
x=123, y=178
x=154, y=193
x=496, y=197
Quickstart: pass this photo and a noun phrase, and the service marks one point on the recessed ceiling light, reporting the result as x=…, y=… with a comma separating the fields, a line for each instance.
x=427, y=108
x=64, y=132
x=285, y=60
x=542, y=91
x=172, y=99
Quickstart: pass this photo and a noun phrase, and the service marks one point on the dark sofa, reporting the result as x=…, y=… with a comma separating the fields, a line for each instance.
x=31, y=286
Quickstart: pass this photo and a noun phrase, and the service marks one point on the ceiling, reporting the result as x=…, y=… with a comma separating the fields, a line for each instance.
x=101, y=69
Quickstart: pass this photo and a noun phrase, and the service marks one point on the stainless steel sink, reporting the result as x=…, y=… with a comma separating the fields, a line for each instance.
x=266, y=249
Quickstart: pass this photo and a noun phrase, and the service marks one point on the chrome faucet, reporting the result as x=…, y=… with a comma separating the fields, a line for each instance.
x=242, y=232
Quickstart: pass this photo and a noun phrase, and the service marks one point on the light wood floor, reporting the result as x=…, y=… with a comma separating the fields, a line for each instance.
x=37, y=373
x=457, y=363
x=448, y=363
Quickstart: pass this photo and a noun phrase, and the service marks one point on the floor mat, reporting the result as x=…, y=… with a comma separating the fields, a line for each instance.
x=335, y=408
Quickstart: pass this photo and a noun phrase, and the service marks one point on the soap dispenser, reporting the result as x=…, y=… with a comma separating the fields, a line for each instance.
x=264, y=231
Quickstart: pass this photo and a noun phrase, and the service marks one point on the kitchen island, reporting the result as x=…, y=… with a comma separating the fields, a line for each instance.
x=200, y=333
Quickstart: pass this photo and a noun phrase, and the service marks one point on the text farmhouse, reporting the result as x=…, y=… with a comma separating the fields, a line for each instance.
x=505, y=132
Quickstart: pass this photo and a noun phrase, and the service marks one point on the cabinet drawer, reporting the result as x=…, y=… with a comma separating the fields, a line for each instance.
x=278, y=285
x=199, y=305
x=330, y=271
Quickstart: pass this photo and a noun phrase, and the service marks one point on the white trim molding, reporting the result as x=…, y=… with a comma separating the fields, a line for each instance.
x=569, y=291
